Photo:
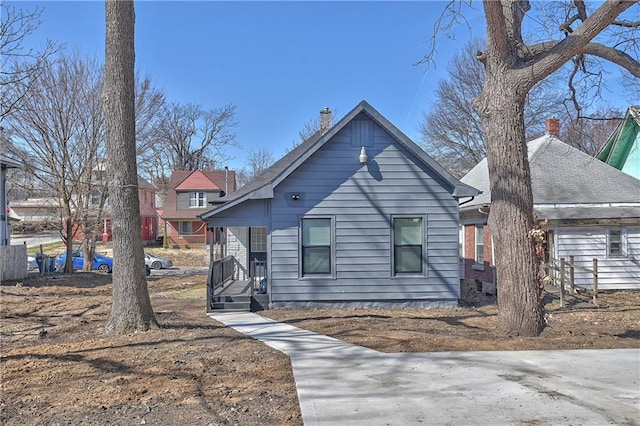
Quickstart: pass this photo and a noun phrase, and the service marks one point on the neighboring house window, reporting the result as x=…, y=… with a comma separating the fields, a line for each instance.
x=479, y=244
x=259, y=239
x=616, y=243
x=186, y=228
x=316, y=246
x=197, y=199
x=407, y=245
x=95, y=197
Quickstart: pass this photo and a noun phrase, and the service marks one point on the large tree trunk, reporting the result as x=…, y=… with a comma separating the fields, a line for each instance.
x=511, y=218
x=131, y=307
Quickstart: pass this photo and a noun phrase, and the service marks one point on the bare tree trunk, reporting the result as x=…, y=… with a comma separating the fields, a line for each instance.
x=131, y=307
x=68, y=265
x=511, y=218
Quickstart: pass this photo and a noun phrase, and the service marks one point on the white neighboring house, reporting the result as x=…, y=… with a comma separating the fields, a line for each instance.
x=6, y=163
x=592, y=211
x=13, y=259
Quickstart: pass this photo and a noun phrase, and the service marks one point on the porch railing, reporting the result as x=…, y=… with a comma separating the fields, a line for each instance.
x=561, y=273
x=220, y=272
x=258, y=274
x=194, y=240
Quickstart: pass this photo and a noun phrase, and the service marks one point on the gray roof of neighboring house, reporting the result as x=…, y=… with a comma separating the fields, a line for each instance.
x=561, y=174
x=262, y=186
x=9, y=162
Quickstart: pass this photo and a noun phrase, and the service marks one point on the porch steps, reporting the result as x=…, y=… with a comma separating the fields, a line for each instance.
x=239, y=303
x=231, y=303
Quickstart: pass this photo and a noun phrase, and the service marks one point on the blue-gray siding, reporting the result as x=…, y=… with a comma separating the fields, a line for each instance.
x=362, y=200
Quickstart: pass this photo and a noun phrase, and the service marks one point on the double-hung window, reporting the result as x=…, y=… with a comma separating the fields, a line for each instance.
x=616, y=243
x=479, y=258
x=197, y=199
x=186, y=228
x=316, y=246
x=408, y=245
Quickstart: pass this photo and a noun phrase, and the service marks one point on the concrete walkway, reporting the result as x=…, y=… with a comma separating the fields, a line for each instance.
x=343, y=384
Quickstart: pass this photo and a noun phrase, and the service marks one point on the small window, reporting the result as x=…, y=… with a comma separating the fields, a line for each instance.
x=197, y=199
x=316, y=246
x=258, y=239
x=407, y=245
x=186, y=228
x=616, y=243
x=95, y=197
x=479, y=245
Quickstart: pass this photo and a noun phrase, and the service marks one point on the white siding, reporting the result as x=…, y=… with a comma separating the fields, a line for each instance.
x=237, y=243
x=585, y=244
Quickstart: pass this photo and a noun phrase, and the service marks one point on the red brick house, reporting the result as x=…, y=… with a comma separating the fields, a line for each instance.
x=148, y=215
x=190, y=194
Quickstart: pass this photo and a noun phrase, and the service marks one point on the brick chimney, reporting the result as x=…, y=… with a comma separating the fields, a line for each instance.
x=552, y=127
x=325, y=119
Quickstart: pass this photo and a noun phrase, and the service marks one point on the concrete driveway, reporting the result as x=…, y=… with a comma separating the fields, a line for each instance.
x=343, y=384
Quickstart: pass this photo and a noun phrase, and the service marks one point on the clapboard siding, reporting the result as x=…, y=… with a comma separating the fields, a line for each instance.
x=250, y=213
x=362, y=200
x=182, y=198
x=585, y=244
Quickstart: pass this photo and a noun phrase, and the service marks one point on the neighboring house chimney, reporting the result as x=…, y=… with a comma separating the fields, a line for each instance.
x=552, y=126
x=325, y=119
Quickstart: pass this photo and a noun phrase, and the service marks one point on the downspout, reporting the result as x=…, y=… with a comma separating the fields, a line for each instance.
x=468, y=201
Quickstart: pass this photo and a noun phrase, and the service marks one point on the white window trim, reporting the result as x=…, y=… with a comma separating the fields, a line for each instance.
x=198, y=199
x=332, y=255
x=623, y=244
x=425, y=264
x=476, y=265
x=255, y=230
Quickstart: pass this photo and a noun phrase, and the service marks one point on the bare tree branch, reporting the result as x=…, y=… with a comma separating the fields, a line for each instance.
x=20, y=65
x=555, y=57
x=627, y=24
x=613, y=55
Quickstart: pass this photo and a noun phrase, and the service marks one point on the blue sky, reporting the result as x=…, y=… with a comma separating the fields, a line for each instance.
x=280, y=63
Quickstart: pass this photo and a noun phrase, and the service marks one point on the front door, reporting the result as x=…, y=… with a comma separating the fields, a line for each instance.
x=257, y=246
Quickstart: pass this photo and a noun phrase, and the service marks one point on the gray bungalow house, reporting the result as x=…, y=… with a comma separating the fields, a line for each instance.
x=355, y=216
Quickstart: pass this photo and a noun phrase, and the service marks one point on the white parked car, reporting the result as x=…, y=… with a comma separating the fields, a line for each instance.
x=157, y=262
x=32, y=264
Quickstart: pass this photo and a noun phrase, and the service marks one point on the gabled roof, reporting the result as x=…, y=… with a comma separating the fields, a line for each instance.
x=205, y=180
x=563, y=175
x=262, y=187
x=200, y=181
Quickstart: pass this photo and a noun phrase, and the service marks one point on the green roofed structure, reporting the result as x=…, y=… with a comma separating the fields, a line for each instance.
x=622, y=150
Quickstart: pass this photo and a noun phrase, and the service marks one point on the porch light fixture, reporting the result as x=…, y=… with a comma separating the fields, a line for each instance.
x=363, y=156
x=295, y=197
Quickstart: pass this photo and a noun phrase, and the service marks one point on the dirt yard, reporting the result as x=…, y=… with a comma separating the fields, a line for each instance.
x=59, y=368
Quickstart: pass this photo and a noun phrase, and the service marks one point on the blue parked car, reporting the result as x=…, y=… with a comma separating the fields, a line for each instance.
x=100, y=263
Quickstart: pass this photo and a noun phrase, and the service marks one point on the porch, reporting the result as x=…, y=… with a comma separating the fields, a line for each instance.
x=226, y=292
